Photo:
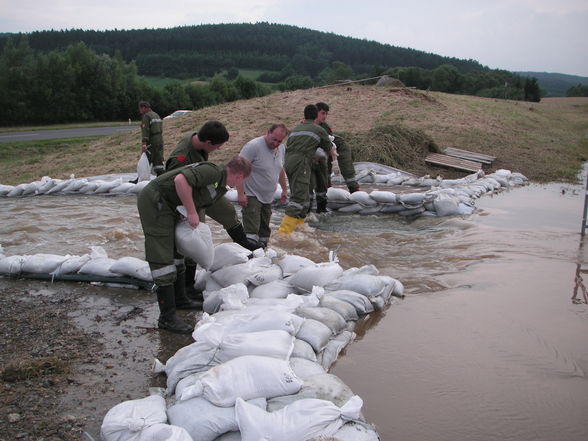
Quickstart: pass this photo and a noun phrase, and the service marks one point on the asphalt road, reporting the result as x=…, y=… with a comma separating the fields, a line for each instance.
x=38, y=135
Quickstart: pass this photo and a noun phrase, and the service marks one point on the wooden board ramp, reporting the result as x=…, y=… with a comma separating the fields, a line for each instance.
x=453, y=162
x=471, y=156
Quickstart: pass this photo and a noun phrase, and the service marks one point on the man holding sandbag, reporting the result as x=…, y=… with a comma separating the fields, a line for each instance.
x=195, y=186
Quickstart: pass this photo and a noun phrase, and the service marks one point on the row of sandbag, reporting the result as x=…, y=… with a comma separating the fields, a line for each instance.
x=258, y=367
x=96, y=263
x=445, y=198
x=47, y=185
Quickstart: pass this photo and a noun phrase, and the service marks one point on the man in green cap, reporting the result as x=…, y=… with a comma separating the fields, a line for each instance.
x=194, y=148
x=196, y=187
x=152, y=136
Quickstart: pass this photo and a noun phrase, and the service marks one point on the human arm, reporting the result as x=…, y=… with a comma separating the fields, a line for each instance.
x=241, y=196
x=184, y=191
x=145, y=131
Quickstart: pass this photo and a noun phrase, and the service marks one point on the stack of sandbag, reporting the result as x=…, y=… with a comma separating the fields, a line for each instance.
x=258, y=367
x=73, y=185
x=445, y=197
x=96, y=263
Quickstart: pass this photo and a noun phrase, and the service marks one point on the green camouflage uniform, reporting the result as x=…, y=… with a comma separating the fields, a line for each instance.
x=152, y=135
x=184, y=154
x=323, y=168
x=157, y=204
x=301, y=147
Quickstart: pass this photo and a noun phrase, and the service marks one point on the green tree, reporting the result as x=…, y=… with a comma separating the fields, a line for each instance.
x=579, y=90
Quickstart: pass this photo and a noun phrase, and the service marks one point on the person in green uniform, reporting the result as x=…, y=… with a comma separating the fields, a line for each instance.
x=322, y=167
x=301, y=147
x=195, y=147
x=152, y=136
x=196, y=187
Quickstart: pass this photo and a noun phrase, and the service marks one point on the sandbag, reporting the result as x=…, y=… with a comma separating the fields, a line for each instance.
x=291, y=264
x=133, y=267
x=42, y=263
x=230, y=275
x=317, y=275
x=331, y=352
x=203, y=420
x=164, y=432
x=315, y=333
x=72, y=264
x=11, y=264
x=359, y=301
x=126, y=421
x=301, y=420
x=302, y=349
x=229, y=253
x=245, y=378
x=143, y=168
x=333, y=320
x=277, y=289
x=195, y=243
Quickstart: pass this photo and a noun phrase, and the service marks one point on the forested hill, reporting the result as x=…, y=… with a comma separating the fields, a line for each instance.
x=556, y=84
x=207, y=49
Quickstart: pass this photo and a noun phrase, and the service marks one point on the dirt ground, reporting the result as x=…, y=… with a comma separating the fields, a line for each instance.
x=63, y=368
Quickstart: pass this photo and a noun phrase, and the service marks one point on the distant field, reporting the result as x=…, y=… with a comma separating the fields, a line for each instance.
x=66, y=126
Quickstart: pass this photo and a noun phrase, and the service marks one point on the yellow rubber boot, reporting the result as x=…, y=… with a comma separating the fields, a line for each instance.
x=288, y=224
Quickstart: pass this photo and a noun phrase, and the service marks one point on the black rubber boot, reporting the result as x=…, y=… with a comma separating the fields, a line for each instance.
x=167, y=312
x=237, y=233
x=183, y=302
x=321, y=206
x=134, y=181
x=191, y=292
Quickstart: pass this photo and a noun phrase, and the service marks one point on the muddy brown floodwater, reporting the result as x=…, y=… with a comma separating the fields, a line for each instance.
x=489, y=343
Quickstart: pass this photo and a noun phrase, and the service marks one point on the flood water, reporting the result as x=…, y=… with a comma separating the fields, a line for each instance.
x=490, y=341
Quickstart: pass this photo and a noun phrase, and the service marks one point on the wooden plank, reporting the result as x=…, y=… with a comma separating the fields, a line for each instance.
x=472, y=156
x=453, y=162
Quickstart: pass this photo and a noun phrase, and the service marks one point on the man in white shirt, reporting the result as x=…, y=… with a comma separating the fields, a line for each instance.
x=266, y=154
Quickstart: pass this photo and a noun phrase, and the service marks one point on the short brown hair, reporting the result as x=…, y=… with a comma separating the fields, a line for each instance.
x=240, y=164
x=145, y=104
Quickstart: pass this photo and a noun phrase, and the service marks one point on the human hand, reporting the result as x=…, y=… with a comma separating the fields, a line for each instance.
x=242, y=200
x=284, y=197
x=193, y=220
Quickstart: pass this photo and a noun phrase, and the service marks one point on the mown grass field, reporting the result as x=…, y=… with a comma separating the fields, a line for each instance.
x=546, y=141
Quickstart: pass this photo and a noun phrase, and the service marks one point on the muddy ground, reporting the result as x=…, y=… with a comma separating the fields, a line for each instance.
x=71, y=351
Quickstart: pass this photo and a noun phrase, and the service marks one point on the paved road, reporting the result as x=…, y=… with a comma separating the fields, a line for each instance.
x=37, y=135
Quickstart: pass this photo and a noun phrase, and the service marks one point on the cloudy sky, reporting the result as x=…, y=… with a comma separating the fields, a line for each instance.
x=517, y=35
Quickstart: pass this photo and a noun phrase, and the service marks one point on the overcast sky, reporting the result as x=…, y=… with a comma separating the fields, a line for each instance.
x=517, y=35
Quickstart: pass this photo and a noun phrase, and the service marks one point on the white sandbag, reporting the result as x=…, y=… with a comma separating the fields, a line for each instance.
x=106, y=186
x=353, y=208
x=58, y=187
x=195, y=243
x=126, y=421
x=277, y=289
x=265, y=275
x=139, y=186
x=89, y=187
x=291, y=264
x=333, y=320
x=302, y=420
x=275, y=343
x=188, y=360
x=164, y=432
x=230, y=436
x=203, y=420
x=322, y=386
x=17, y=191
x=357, y=431
x=12, y=264
x=411, y=199
x=229, y=253
x=246, y=377
x=98, y=267
x=42, y=263
x=318, y=275
x=392, y=208
x=337, y=194
x=133, y=267
x=230, y=297
x=302, y=349
x=125, y=187
x=232, y=195
x=315, y=333
x=143, y=168
x=397, y=286
x=329, y=355
x=370, y=210
x=412, y=211
x=386, y=197
x=5, y=189
x=31, y=189
x=305, y=368
x=359, y=301
x=362, y=198
x=47, y=184
x=248, y=321
x=346, y=310
x=230, y=275
x=72, y=265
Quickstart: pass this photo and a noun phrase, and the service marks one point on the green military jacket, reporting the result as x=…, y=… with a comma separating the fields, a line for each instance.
x=208, y=182
x=151, y=128
x=305, y=138
x=185, y=154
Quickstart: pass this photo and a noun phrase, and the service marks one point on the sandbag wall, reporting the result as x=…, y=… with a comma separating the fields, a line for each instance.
x=432, y=196
x=258, y=367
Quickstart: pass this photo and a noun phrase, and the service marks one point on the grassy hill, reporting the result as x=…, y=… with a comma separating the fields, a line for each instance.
x=546, y=141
